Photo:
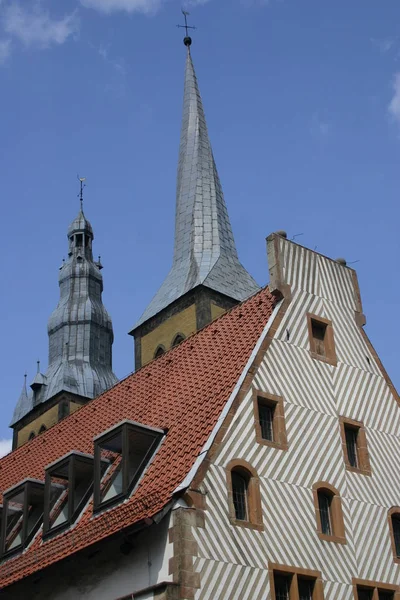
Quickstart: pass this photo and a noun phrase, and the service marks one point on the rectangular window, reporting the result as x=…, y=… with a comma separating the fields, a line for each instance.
x=21, y=515
x=282, y=587
x=351, y=445
x=291, y=583
x=269, y=420
x=128, y=447
x=322, y=345
x=354, y=444
x=370, y=590
x=396, y=533
x=266, y=416
x=324, y=502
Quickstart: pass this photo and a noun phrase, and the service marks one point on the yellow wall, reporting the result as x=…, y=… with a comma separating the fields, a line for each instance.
x=48, y=419
x=216, y=311
x=183, y=322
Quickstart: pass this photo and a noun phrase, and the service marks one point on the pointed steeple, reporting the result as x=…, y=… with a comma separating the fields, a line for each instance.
x=80, y=329
x=204, y=250
x=24, y=404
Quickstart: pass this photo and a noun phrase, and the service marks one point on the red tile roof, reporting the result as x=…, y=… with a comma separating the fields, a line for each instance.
x=184, y=391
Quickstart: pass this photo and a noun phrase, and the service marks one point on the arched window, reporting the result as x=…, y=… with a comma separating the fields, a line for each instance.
x=244, y=495
x=394, y=527
x=31, y=435
x=42, y=428
x=160, y=350
x=328, y=512
x=177, y=339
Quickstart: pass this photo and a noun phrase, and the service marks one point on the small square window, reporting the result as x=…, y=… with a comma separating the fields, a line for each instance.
x=322, y=345
x=269, y=420
x=354, y=443
x=128, y=447
x=291, y=583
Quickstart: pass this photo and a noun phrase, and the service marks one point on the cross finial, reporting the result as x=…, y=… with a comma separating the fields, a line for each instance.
x=83, y=185
x=187, y=40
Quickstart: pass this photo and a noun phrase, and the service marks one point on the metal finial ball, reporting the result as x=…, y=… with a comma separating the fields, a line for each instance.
x=187, y=41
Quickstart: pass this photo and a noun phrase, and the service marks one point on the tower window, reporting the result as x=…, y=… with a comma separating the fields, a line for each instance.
x=177, y=339
x=244, y=495
x=42, y=428
x=79, y=240
x=21, y=515
x=68, y=485
x=159, y=351
x=269, y=420
x=289, y=583
x=128, y=447
x=320, y=333
x=328, y=512
x=31, y=435
x=354, y=444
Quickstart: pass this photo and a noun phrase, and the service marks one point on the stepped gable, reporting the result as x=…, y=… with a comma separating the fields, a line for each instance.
x=182, y=392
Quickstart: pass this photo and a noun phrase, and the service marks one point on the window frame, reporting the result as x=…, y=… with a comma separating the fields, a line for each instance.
x=178, y=336
x=24, y=487
x=295, y=573
x=278, y=421
x=395, y=510
x=254, y=508
x=159, y=351
x=127, y=486
x=375, y=587
x=338, y=534
x=69, y=460
x=364, y=467
x=329, y=340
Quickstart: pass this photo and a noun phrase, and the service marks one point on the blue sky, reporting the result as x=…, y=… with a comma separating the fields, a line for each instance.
x=302, y=99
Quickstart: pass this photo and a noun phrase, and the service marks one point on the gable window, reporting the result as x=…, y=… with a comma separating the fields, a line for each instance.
x=320, y=333
x=269, y=420
x=354, y=444
x=21, y=515
x=371, y=590
x=68, y=485
x=394, y=528
x=128, y=447
x=328, y=512
x=290, y=583
x=244, y=499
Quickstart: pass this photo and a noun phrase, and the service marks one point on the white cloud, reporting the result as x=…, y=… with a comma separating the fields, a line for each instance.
x=5, y=50
x=394, y=106
x=5, y=447
x=35, y=26
x=108, y=6
x=384, y=44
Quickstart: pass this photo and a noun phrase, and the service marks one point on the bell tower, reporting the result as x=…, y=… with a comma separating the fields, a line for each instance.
x=80, y=342
x=206, y=277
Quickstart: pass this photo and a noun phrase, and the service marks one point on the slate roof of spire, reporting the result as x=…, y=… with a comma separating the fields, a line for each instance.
x=24, y=404
x=183, y=392
x=205, y=251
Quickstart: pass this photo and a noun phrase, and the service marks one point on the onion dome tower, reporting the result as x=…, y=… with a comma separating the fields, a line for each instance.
x=206, y=277
x=80, y=342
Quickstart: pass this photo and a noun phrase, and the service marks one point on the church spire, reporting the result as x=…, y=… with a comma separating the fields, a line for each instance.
x=79, y=329
x=204, y=250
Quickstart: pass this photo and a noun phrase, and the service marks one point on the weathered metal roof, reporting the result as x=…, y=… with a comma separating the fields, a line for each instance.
x=80, y=329
x=205, y=251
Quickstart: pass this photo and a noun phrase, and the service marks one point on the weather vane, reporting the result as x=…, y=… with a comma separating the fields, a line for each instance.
x=188, y=40
x=83, y=185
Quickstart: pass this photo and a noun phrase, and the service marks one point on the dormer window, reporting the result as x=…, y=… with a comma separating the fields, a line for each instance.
x=68, y=485
x=21, y=515
x=128, y=447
